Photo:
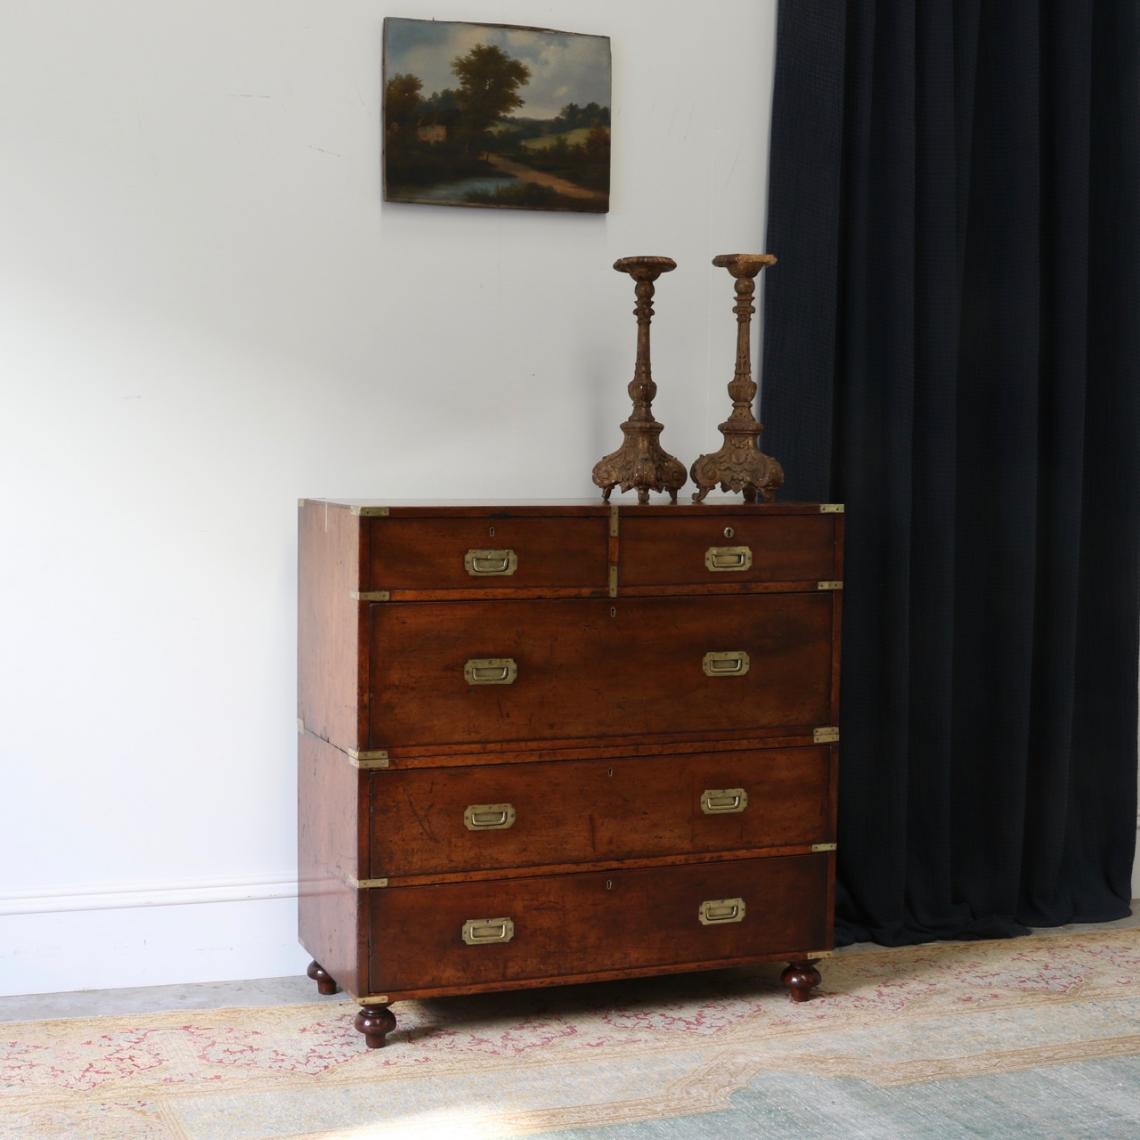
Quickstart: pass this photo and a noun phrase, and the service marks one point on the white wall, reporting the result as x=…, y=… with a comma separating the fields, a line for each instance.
x=206, y=312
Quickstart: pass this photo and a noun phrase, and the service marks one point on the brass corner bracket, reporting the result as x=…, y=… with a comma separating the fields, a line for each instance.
x=376, y=758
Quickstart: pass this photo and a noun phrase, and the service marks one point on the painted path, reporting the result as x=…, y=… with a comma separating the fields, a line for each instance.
x=541, y=178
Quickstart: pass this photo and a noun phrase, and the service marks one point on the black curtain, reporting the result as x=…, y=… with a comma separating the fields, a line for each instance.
x=951, y=349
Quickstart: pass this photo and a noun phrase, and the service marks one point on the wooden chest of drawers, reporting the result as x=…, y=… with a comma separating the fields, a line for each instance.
x=555, y=743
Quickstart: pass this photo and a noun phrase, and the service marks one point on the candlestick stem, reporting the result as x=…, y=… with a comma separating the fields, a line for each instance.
x=641, y=462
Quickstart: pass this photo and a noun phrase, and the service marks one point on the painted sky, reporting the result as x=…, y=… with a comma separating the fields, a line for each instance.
x=564, y=68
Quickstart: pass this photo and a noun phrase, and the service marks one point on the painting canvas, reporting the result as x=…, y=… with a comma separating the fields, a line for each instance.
x=491, y=115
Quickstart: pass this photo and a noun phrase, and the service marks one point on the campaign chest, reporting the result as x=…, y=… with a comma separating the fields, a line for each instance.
x=550, y=743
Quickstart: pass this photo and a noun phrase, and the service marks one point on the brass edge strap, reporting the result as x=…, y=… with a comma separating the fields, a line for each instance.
x=829, y=585
x=831, y=508
x=369, y=595
x=817, y=848
x=369, y=765
x=826, y=735
x=364, y=884
x=370, y=512
x=615, y=529
x=820, y=954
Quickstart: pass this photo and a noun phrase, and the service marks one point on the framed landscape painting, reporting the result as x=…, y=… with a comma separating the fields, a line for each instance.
x=493, y=115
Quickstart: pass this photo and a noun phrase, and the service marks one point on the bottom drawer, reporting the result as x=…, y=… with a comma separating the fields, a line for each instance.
x=455, y=937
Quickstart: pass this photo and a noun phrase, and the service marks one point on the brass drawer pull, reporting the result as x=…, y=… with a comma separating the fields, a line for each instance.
x=728, y=558
x=714, y=912
x=490, y=671
x=723, y=801
x=490, y=563
x=484, y=931
x=489, y=817
x=734, y=663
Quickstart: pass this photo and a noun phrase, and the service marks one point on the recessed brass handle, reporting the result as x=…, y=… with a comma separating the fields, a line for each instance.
x=734, y=663
x=490, y=671
x=489, y=817
x=728, y=558
x=490, y=563
x=716, y=912
x=484, y=931
x=723, y=801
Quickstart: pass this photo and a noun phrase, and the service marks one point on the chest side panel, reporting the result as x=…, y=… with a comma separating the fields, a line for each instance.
x=330, y=698
x=331, y=819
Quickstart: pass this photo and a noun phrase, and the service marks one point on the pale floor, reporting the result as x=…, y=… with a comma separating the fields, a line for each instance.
x=276, y=991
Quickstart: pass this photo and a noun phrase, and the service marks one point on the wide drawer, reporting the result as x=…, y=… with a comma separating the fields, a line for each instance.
x=464, y=936
x=485, y=553
x=440, y=820
x=490, y=671
x=727, y=549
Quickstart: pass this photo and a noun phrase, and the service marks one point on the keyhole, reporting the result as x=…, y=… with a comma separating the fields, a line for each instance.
x=491, y=531
x=729, y=532
x=613, y=611
x=609, y=884
x=610, y=772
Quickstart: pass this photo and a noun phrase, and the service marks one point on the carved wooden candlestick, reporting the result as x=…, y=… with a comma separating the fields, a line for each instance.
x=740, y=465
x=641, y=461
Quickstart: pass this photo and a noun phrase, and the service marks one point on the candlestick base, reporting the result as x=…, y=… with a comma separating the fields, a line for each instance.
x=640, y=462
x=738, y=466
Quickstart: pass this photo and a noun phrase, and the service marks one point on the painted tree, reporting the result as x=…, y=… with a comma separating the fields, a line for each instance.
x=401, y=103
x=489, y=80
x=442, y=108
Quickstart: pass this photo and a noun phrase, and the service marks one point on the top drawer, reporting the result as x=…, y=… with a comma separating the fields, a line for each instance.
x=727, y=549
x=455, y=553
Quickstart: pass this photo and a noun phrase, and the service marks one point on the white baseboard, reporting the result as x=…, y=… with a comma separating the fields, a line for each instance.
x=149, y=936
x=131, y=895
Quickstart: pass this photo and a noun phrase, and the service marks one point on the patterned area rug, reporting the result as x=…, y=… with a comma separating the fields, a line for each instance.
x=661, y=1057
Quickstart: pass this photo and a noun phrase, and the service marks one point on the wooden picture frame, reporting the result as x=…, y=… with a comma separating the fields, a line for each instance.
x=495, y=115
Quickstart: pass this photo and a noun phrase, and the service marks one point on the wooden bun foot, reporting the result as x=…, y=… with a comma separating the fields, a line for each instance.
x=375, y=1022
x=801, y=978
x=326, y=984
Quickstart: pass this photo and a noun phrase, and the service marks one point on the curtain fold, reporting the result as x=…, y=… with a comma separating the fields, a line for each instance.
x=951, y=349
